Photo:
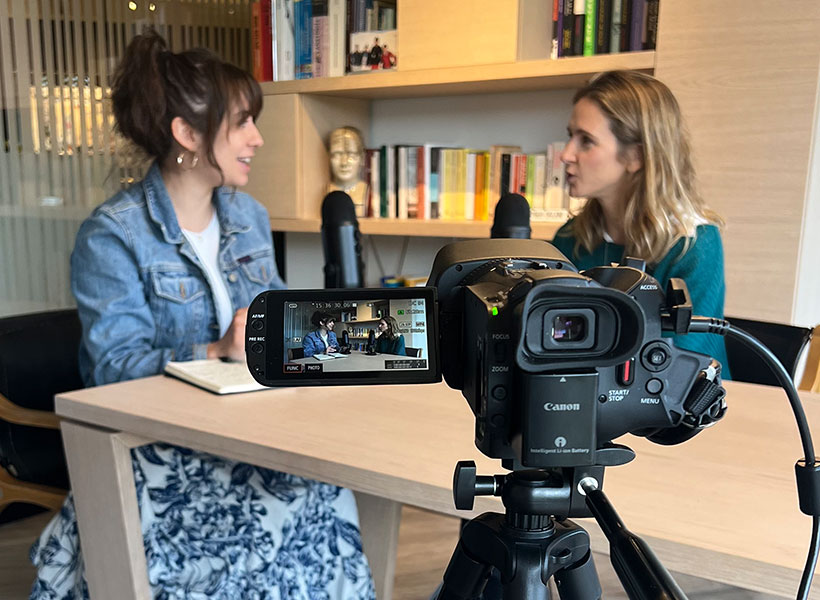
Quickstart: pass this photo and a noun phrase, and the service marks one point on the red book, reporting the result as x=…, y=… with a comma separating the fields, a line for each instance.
x=256, y=41
x=266, y=39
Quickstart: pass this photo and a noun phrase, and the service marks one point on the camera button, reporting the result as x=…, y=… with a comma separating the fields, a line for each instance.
x=626, y=372
x=257, y=324
x=654, y=386
x=499, y=392
x=257, y=348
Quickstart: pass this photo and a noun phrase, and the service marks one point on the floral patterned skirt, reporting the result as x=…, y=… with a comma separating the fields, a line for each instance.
x=218, y=529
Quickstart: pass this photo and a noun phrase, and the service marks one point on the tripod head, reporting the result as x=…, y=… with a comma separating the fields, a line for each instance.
x=537, y=502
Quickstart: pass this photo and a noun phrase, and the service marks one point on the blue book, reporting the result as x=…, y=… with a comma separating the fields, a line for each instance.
x=303, y=39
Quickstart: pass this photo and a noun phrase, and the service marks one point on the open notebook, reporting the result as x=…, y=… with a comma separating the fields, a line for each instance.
x=215, y=375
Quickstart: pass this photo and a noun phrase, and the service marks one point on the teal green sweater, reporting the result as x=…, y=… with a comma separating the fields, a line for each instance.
x=701, y=267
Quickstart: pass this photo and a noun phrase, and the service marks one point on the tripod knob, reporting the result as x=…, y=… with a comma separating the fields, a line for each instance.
x=466, y=485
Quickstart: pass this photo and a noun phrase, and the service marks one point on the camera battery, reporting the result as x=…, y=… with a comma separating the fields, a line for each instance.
x=558, y=420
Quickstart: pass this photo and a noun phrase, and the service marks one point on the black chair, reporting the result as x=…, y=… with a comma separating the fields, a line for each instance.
x=786, y=342
x=414, y=352
x=38, y=359
x=296, y=353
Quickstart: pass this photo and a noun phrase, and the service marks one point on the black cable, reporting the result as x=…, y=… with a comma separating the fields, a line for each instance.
x=723, y=327
x=811, y=559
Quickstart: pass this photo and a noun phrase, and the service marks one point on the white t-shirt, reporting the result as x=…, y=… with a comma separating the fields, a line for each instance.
x=206, y=246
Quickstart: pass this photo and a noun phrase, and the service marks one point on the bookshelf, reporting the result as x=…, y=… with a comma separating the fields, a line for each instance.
x=750, y=102
x=566, y=73
x=298, y=160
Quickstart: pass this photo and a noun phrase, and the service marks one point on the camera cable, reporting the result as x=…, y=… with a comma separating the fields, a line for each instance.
x=807, y=470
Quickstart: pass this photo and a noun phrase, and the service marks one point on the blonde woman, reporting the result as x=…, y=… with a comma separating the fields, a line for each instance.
x=628, y=153
x=390, y=341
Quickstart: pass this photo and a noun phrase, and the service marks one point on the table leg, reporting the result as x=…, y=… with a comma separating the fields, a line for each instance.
x=105, y=497
x=379, y=520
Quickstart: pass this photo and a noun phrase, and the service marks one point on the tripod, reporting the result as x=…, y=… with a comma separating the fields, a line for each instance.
x=528, y=545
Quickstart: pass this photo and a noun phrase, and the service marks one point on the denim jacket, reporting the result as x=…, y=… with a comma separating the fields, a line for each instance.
x=312, y=343
x=141, y=291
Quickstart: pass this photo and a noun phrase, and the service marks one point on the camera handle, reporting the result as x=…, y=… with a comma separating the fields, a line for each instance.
x=528, y=546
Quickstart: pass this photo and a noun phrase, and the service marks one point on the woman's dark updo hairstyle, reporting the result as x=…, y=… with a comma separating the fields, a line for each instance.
x=320, y=317
x=153, y=85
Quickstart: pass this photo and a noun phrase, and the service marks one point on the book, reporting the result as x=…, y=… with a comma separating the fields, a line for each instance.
x=303, y=47
x=636, y=24
x=215, y=375
x=651, y=27
x=567, y=25
x=283, y=40
x=320, y=39
x=337, y=38
x=616, y=28
x=329, y=356
x=603, y=27
x=256, y=41
x=557, y=17
x=578, y=16
x=590, y=27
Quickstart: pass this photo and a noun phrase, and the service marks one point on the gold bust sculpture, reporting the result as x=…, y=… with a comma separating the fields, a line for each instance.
x=346, y=150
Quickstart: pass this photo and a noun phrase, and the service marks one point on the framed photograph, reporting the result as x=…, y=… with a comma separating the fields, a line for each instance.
x=372, y=51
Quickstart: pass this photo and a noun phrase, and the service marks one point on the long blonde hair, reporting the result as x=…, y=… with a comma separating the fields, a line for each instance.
x=663, y=204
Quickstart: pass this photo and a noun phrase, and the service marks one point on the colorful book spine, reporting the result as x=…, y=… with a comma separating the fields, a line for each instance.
x=567, y=22
x=615, y=27
x=603, y=26
x=302, y=39
x=590, y=25
x=578, y=16
x=337, y=37
x=555, y=43
x=651, y=36
x=256, y=41
x=319, y=39
x=636, y=24
x=283, y=39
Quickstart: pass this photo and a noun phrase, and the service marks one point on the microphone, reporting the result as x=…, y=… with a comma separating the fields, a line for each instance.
x=371, y=343
x=341, y=242
x=512, y=217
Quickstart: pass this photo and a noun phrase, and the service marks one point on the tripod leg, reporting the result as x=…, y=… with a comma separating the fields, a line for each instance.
x=579, y=581
x=527, y=582
x=464, y=578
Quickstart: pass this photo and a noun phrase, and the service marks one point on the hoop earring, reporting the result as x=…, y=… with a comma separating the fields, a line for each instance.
x=181, y=160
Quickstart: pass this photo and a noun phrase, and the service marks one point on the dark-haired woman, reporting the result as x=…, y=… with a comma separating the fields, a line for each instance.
x=165, y=271
x=390, y=341
x=322, y=339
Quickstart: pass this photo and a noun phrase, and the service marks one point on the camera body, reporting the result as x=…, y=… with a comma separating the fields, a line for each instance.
x=555, y=364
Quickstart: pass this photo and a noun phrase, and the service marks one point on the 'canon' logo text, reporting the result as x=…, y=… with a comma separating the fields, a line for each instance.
x=550, y=407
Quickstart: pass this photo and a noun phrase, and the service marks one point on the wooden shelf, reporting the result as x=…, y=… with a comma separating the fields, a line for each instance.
x=543, y=230
x=563, y=73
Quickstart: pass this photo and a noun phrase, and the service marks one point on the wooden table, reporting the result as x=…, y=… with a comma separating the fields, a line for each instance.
x=722, y=506
x=359, y=361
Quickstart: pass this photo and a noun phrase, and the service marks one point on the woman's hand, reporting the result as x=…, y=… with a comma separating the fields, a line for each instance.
x=232, y=344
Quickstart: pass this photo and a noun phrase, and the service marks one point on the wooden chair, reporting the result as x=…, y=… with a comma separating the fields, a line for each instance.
x=787, y=342
x=811, y=374
x=38, y=359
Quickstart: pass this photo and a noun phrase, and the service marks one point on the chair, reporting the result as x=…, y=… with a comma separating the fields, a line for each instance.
x=414, y=352
x=38, y=359
x=296, y=353
x=811, y=375
x=786, y=342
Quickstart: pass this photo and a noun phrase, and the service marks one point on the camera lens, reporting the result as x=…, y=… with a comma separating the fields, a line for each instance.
x=569, y=328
